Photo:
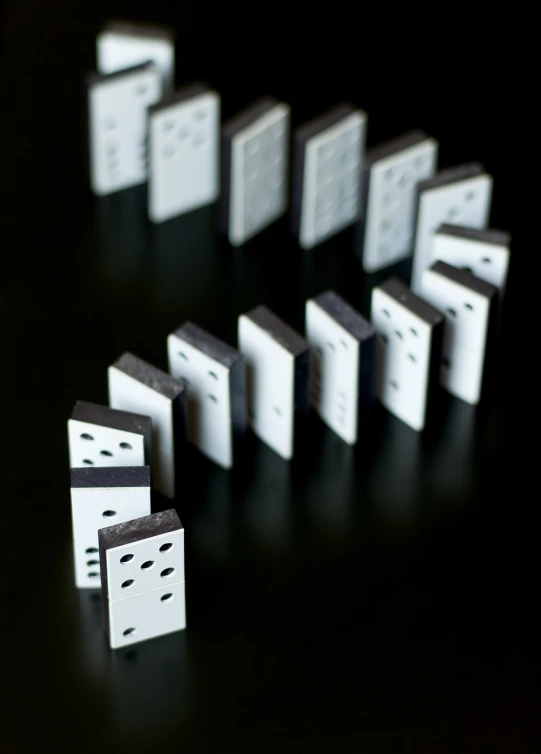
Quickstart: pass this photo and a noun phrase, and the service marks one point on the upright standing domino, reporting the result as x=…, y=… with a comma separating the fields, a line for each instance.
x=184, y=152
x=99, y=497
x=117, y=110
x=328, y=164
x=278, y=377
x=142, y=565
x=392, y=173
x=254, y=157
x=470, y=306
x=216, y=399
x=409, y=351
x=461, y=196
x=135, y=385
x=343, y=363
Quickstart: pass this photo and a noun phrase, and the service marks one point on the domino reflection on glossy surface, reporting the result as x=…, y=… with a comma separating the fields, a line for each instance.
x=136, y=385
x=215, y=375
x=328, y=164
x=470, y=306
x=392, y=172
x=342, y=377
x=410, y=337
x=278, y=375
x=184, y=152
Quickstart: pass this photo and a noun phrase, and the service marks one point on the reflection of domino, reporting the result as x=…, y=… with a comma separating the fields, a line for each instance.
x=343, y=363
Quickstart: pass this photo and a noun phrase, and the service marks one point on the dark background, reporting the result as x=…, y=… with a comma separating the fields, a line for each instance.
x=377, y=599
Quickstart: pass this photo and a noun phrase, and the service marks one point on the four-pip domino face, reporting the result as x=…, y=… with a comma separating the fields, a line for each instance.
x=329, y=153
x=343, y=363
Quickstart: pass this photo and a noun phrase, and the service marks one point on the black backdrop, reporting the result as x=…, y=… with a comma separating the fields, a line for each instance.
x=379, y=599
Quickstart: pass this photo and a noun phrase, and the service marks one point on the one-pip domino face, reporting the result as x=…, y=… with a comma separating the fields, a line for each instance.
x=278, y=367
x=135, y=385
x=392, y=173
x=410, y=338
x=183, y=149
x=216, y=390
x=343, y=363
x=117, y=111
x=329, y=153
x=254, y=156
x=460, y=196
x=470, y=307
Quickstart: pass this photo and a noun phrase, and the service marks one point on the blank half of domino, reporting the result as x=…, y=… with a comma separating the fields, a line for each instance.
x=343, y=347
x=328, y=164
x=410, y=340
x=470, y=306
x=215, y=376
x=391, y=175
x=184, y=152
x=254, y=169
x=461, y=196
x=278, y=375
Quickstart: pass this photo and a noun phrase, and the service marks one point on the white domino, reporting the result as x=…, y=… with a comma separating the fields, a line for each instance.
x=101, y=436
x=410, y=337
x=277, y=370
x=460, y=196
x=392, y=173
x=470, y=307
x=216, y=383
x=117, y=112
x=184, y=152
x=135, y=385
x=343, y=363
x=143, y=578
x=329, y=159
x=254, y=156
x=99, y=497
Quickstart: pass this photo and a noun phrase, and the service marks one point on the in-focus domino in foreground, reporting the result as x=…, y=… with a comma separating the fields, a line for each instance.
x=215, y=376
x=99, y=497
x=470, y=306
x=117, y=113
x=254, y=159
x=135, y=385
x=328, y=164
x=142, y=565
x=278, y=377
x=392, y=173
x=184, y=152
x=460, y=196
x=410, y=339
x=342, y=379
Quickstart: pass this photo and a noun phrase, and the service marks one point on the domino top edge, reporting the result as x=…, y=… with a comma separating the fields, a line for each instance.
x=149, y=375
x=210, y=345
x=249, y=115
x=465, y=278
x=138, y=29
x=278, y=329
x=396, y=289
x=138, y=529
x=181, y=95
x=106, y=477
x=452, y=175
x=345, y=315
x=410, y=139
x=104, y=416
x=326, y=120
x=490, y=236
x=101, y=78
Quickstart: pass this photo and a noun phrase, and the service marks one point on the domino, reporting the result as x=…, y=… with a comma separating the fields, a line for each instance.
x=123, y=44
x=343, y=363
x=142, y=565
x=328, y=164
x=136, y=385
x=470, y=306
x=461, y=196
x=184, y=152
x=410, y=340
x=392, y=173
x=484, y=253
x=215, y=376
x=102, y=436
x=100, y=496
x=278, y=375
x=117, y=110
x=254, y=168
